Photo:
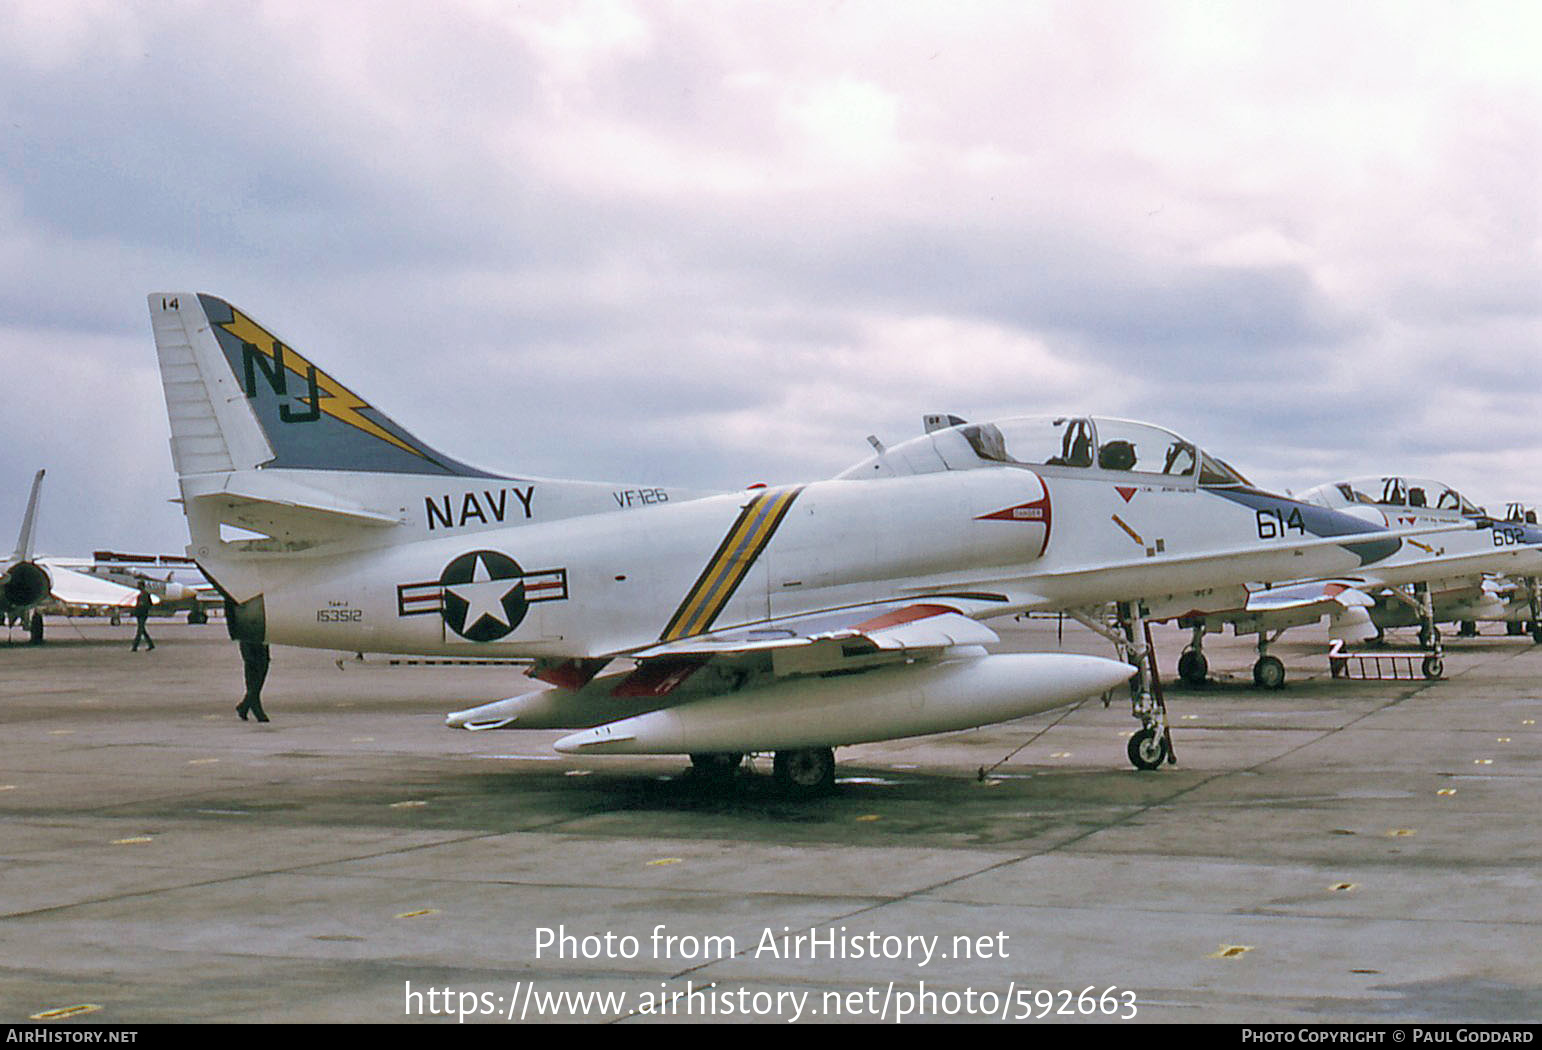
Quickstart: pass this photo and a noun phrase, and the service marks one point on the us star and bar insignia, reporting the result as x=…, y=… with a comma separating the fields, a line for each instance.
x=482, y=595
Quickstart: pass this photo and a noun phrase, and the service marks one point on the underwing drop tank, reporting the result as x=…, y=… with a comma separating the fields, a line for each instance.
x=882, y=704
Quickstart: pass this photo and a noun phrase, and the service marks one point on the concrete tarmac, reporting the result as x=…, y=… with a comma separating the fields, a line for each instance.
x=1331, y=852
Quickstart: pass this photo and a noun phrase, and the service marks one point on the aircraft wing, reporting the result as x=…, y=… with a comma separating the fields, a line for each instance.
x=897, y=625
x=78, y=588
x=1438, y=565
x=1154, y=573
x=854, y=638
x=748, y=688
x=1320, y=595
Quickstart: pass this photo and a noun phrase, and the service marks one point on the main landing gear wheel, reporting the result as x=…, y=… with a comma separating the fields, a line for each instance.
x=716, y=765
x=1269, y=673
x=1148, y=749
x=1433, y=666
x=1193, y=668
x=805, y=771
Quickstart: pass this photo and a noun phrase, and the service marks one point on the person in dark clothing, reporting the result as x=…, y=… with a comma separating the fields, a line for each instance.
x=254, y=661
x=141, y=614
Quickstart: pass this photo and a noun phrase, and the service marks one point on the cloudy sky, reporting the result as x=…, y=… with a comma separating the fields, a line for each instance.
x=711, y=244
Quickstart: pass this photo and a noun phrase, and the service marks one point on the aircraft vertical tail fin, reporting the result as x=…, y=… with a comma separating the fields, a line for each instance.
x=23, y=550
x=239, y=398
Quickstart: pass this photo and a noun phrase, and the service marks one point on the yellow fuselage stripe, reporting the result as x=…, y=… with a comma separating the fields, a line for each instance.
x=745, y=540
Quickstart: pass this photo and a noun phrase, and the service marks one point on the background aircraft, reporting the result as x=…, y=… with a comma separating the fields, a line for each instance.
x=27, y=582
x=174, y=579
x=790, y=619
x=1432, y=580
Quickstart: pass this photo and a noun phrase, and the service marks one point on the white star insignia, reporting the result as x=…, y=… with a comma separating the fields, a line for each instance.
x=483, y=596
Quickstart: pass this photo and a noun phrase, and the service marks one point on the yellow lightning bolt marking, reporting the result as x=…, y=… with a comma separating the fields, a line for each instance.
x=336, y=400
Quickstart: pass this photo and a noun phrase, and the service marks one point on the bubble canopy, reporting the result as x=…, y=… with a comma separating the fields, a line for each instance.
x=1391, y=491
x=1071, y=445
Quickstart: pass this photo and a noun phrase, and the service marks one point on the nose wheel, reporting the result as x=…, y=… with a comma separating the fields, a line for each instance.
x=1148, y=749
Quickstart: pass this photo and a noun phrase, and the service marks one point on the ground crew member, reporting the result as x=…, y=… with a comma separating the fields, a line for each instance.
x=142, y=613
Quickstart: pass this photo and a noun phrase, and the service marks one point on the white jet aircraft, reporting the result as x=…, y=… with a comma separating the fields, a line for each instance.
x=27, y=582
x=791, y=620
x=173, y=580
x=1429, y=581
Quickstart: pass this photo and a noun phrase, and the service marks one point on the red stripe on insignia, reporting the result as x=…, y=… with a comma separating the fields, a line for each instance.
x=1127, y=491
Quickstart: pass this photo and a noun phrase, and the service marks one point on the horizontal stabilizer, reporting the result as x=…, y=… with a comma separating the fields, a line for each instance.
x=280, y=495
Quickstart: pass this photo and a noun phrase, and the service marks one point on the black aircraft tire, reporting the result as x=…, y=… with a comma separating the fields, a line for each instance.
x=716, y=765
x=1193, y=668
x=1269, y=673
x=805, y=771
x=1147, y=750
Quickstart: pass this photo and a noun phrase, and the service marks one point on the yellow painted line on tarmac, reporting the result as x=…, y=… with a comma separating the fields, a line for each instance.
x=1060, y=754
x=663, y=861
x=1446, y=791
x=136, y=840
x=59, y=1013
x=1344, y=887
x=1230, y=951
x=1483, y=761
x=202, y=761
x=868, y=818
x=1401, y=833
x=411, y=803
x=418, y=914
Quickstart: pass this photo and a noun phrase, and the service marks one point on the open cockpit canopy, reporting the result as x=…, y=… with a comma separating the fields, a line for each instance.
x=1391, y=491
x=1070, y=445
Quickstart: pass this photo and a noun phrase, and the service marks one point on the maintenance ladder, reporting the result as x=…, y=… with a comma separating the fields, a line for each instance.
x=1379, y=667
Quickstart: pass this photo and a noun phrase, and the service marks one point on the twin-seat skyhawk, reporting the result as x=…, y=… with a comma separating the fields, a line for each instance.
x=1429, y=581
x=791, y=620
